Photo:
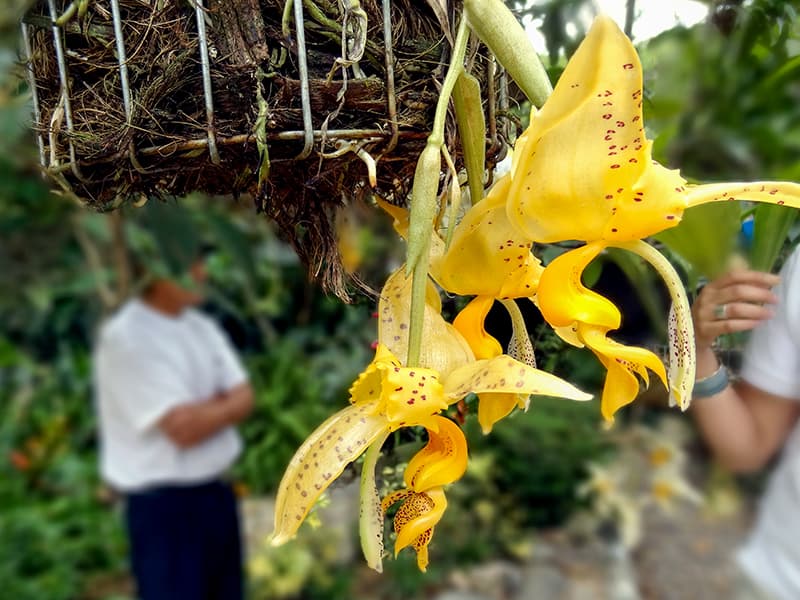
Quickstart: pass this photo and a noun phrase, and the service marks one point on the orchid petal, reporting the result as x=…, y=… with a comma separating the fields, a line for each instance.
x=370, y=521
x=623, y=364
x=487, y=255
x=445, y=348
x=411, y=396
x=681, y=330
x=771, y=192
x=492, y=407
x=319, y=461
x=504, y=374
x=586, y=147
x=562, y=297
x=470, y=324
x=519, y=346
x=415, y=520
x=442, y=461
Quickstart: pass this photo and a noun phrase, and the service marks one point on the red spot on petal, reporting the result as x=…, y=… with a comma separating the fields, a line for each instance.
x=615, y=166
x=628, y=66
x=607, y=116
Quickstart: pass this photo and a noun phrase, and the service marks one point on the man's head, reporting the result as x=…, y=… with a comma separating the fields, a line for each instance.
x=169, y=265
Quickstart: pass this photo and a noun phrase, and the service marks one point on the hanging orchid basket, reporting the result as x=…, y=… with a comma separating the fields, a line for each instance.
x=295, y=104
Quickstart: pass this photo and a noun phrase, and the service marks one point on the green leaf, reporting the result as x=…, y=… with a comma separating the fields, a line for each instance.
x=771, y=227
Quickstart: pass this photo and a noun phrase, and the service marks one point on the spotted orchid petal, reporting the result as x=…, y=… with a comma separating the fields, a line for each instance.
x=406, y=396
x=445, y=348
x=503, y=374
x=441, y=461
x=370, y=515
x=583, y=170
x=771, y=192
x=320, y=460
x=520, y=346
x=585, y=153
x=415, y=520
x=488, y=256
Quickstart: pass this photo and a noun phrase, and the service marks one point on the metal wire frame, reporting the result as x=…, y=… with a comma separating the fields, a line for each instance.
x=308, y=135
x=64, y=79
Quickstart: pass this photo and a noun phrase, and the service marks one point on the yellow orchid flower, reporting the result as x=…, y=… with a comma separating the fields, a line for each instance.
x=388, y=395
x=583, y=170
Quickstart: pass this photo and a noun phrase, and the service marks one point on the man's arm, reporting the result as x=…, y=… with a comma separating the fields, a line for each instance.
x=189, y=424
x=743, y=425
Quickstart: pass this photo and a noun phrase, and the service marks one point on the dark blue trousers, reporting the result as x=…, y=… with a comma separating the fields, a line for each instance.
x=185, y=542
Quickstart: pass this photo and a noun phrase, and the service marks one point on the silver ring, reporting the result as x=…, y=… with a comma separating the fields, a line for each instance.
x=720, y=311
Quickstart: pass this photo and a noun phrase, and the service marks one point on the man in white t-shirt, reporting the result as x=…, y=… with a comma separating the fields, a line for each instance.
x=746, y=424
x=170, y=390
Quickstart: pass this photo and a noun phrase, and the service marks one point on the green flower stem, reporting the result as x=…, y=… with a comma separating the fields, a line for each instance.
x=424, y=195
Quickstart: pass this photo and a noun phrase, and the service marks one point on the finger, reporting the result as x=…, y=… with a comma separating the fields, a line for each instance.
x=744, y=293
x=747, y=311
x=727, y=326
x=746, y=277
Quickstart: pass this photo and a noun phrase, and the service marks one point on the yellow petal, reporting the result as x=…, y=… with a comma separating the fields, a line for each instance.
x=504, y=374
x=411, y=395
x=584, y=168
x=470, y=323
x=620, y=388
x=442, y=461
x=369, y=384
x=623, y=363
x=562, y=297
x=319, y=461
x=444, y=348
x=586, y=143
x=487, y=256
x=493, y=407
x=772, y=192
x=415, y=520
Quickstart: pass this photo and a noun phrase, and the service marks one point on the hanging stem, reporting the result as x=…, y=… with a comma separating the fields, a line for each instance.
x=423, y=199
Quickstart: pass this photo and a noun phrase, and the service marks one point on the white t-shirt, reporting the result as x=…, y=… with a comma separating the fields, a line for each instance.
x=145, y=364
x=771, y=555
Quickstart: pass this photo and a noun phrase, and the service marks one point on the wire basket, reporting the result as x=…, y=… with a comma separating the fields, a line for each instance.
x=297, y=105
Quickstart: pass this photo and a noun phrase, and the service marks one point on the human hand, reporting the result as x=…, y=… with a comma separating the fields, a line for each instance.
x=188, y=424
x=736, y=301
